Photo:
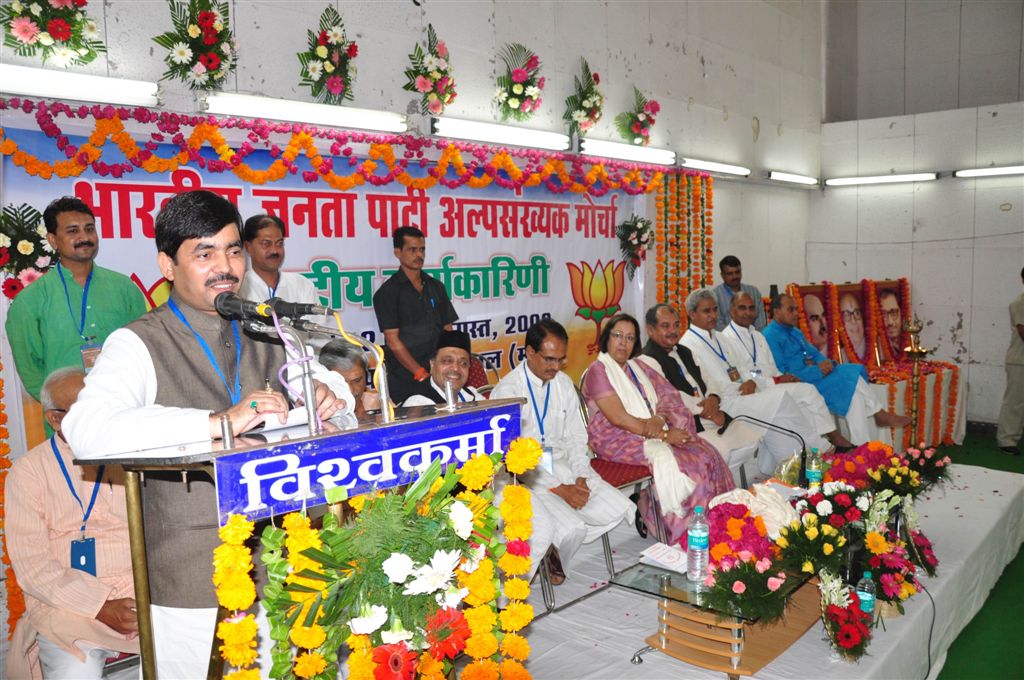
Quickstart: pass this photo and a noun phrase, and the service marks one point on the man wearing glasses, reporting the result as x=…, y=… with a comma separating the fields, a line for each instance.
x=573, y=505
x=853, y=321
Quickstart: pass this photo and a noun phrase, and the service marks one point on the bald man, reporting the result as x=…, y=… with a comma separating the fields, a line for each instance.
x=817, y=323
x=79, y=595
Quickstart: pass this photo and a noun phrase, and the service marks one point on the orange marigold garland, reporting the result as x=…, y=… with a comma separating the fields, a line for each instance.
x=15, y=598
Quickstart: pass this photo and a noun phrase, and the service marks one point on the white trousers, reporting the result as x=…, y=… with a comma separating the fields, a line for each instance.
x=812, y=403
x=183, y=639
x=60, y=664
x=778, y=408
x=860, y=418
x=1011, y=415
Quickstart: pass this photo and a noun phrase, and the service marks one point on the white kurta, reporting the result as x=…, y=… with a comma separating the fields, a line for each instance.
x=555, y=522
x=756, y=362
x=467, y=393
x=775, y=406
x=737, y=436
x=292, y=287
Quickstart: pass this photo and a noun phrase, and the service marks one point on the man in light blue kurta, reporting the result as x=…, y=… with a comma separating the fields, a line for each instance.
x=843, y=386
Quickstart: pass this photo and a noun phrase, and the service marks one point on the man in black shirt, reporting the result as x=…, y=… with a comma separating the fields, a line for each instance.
x=412, y=309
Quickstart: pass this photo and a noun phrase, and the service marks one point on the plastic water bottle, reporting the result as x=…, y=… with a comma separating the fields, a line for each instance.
x=866, y=594
x=814, y=469
x=697, y=531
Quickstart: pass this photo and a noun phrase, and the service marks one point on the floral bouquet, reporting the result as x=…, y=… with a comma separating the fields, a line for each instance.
x=743, y=575
x=845, y=624
x=636, y=236
x=852, y=467
x=327, y=64
x=584, y=107
x=519, y=89
x=918, y=545
x=932, y=468
x=409, y=582
x=200, y=50
x=635, y=126
x=891, y=569
x=836, y=504
x=896, y=475
x=430, y=75
x=60, y=29
x=25, y=254
x=810, y=545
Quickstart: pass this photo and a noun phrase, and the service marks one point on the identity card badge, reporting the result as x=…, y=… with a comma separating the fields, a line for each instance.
x=83, y=555
x=547, y=460
x=90, y=352
x=734, y=374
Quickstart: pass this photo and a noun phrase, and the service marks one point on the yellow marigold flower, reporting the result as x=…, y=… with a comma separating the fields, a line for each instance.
x=430, y=668
x=237, y=530
x=309, y=664
x=481, y=646
x=237, y=632
x=812, y=533
x=876, y=543
x=518, y=530
x=523, y=455
x=517, y=589
x=807, y=567
x=240, y=655
x=357, y=503
x=237, y=592
x=827, y=548
x=307, y=638
x=358, y=642
x=295, y=522
x=515, y=646
x=247, y=674
x=513, y=670
x=481, y=669
x=477, y=472
x=481, y=619
x=514, y=565
x=516, y=616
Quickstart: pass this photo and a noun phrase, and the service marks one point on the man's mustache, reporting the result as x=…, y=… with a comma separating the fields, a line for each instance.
x=222, y=277
x=85, y=244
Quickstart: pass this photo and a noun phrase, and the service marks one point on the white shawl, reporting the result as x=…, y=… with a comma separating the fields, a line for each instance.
x=673, y=487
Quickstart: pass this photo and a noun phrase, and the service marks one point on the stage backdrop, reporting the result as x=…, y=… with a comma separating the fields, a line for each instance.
x=507, y=257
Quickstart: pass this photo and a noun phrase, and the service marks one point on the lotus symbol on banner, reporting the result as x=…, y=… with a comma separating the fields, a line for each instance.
x=597, y=290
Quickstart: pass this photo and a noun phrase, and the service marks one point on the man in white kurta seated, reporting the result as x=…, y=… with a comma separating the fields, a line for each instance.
x=675, y=363
x=573, y=505
x=263, y=236
x=756, y=363
x=719, y=365
x=450, y=363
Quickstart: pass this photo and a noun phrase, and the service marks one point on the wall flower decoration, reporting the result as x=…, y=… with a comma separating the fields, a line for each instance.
x=25, y=254
x=430, y=75
x=584, y=107
x=60, y=30
x=635, y=125
x=328, y=64
x=201, y=51
x=520, y=88
x=636, y=236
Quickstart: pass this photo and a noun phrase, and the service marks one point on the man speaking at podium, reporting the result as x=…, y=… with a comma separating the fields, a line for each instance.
x=167, y=378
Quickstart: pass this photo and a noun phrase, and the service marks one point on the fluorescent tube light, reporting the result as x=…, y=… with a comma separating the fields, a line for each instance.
x=991, y=172
x=882, y=179
x=626, y=152
x=42, y=82
x=793, y=179
x=492, y=133
x=711, y=166
x=251, y=106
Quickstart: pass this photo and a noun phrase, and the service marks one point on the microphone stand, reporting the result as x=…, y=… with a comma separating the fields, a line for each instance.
x=382, y=388
x=308, y=391
x=802, y=475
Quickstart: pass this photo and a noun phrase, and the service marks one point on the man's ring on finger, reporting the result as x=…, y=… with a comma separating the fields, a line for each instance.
x=254, y=406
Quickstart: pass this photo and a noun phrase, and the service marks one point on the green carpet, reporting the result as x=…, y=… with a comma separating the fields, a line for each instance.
x=989, y=647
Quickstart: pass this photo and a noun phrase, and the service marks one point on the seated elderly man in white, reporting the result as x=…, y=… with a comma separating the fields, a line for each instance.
x=573, y=505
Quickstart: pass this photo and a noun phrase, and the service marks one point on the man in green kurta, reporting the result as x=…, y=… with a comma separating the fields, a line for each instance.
x=63, y=317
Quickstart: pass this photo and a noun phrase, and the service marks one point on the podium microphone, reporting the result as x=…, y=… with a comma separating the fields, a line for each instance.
x=802, y=475
x=294, y=310
x=230, y=306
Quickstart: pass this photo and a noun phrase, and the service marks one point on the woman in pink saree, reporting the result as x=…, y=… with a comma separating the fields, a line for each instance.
x=637, y=417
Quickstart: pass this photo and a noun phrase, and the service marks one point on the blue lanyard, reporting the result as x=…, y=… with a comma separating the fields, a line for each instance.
x=71, y=487
x=753, y=343
x=719, y=352
x=636, y=381
x=85, y=299
x=236, y=393
x=533, y=402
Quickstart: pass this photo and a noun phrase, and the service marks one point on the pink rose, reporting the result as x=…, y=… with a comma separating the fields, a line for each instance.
x=762, y=565
x=442, y=85
x=43, y=262
x=58, y=4
x=774, y=584
x=739, y=587
x=745, y=555
x=532, y=63
x=442, y=49
x=519, y=75
x=525, y=106
x=540, y=83
x=435, y=106
x=709, y=581
x=423, y=84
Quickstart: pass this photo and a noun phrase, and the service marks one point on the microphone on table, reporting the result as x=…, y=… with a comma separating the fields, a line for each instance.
x=294, y=310
x=802, y=476
x=231, y=306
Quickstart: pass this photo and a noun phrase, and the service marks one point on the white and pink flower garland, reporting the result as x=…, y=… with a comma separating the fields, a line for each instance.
x=328, y=64
x=430, y=75
x=59, y=29
x=519, y=89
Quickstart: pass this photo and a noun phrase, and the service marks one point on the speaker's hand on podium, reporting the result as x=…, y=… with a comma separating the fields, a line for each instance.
x=327, y=404
x=252, y=410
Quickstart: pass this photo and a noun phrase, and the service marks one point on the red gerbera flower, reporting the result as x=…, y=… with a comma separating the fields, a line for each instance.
x=353, y=50
x=447, y=631
x=81, y=3
x=209, y=37
x=58, y=29
x=848, y=636
x=206, y=19
x=322, y=38
x=394, y=662
x=5, y=257
x=210, y=60
x=596, y=77
x=12, y=287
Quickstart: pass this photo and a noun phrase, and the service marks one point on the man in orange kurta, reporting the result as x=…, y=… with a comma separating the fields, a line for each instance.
x=73, y=620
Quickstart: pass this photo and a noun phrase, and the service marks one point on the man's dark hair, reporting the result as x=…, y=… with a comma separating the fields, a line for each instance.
x=193, y=214
x=398, y=238
x=651, y=316
x=777, y=302
x=62, y=205
x=538, y=332
x=889, y=292
x=257, y=222
x=606, y=333
x=729, y=261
